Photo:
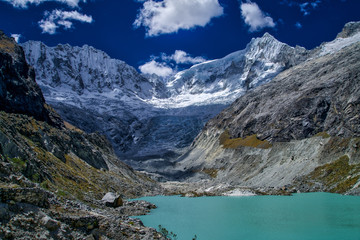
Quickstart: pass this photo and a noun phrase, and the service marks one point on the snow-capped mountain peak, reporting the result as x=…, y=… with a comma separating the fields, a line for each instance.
x=85, y=69
x=223, y=80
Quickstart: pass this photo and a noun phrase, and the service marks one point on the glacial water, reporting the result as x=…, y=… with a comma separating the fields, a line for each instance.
x=307, y=216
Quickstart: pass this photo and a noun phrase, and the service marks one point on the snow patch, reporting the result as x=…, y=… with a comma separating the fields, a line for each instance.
x=239, y=193
x=338, y=44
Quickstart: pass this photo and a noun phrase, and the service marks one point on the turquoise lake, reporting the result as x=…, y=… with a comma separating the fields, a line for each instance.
x=303, y=216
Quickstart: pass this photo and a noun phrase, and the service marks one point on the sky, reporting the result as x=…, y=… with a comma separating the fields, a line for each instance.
x=166, y=36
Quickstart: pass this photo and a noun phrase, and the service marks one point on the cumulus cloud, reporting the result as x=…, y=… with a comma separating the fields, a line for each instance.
x=154, y=67
x=305, y=7
x=298, y=25
x=16, y=37
x=25, y=3
x=165, y=65
x=168, y=16
x=181, y=57
x=58, y=18
x=254, y=17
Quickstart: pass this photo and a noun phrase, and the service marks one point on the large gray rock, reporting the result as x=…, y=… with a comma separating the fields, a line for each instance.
x=349, y=29
x=50, y=223
x=112, y=200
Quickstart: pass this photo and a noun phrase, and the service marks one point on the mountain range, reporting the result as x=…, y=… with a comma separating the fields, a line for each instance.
x=151, y=122
x=140, y=114
x=299, y=132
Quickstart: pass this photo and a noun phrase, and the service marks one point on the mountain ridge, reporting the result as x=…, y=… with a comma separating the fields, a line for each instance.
x=141, y=127
x=298, y=132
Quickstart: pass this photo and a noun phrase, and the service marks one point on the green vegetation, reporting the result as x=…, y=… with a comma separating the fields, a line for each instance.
x=249, y=141
x=7, y=46
x=338, y=176
x=62, y=193
x=212, y=172
x=170, y=235
x=322, y=134
x=72, y=127
x=346, y=185
x=18, y=163
x=45, y=184
x=166, y=233
x=36, y=177
x=65, y=168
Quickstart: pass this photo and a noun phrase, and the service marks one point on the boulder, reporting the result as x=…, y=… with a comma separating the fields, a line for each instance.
x=112, y=200
x=50, y=223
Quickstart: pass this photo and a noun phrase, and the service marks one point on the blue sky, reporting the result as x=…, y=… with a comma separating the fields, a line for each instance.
x=164, y=36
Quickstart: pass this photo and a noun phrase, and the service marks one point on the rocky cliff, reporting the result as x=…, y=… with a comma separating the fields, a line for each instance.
x=300, y=131
x=19, y=93
x=52, y=174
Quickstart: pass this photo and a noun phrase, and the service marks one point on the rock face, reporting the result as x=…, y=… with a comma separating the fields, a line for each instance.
x=77, y=164
x=18, y=90
x=291, y=131
x=32, y=135
x=349, y=30
x=47, y=166
x=140, y=114
x=34, y=196
x=321, y=95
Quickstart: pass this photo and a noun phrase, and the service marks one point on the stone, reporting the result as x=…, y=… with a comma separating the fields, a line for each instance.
x=50, y=223
x=112, y=200
x=4, y=212
x=34, y=196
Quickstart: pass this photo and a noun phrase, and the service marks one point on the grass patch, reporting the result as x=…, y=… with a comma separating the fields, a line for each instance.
x=212, y=172
x=36, y=177
x=337, y=176
x=72, y=175
x=322, y=134
x=345, y=185
x=45, y=185
x=18, y=163
x=7, y=46
x=249, y=141
x=72, y=127
x=62, y=193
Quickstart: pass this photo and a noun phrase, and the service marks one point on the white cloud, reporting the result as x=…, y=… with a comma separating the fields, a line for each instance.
x=168, y=16
x=153, y=67
x=298, y=25
x=181, y=57
x=165, y=65
x=25, y=3
x=254, y=17
x=53, y=20
x=305, y=7
x=16, y=37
